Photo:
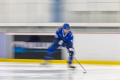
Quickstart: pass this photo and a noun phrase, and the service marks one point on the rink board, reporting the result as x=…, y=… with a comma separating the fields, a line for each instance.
x=96, y=48
x=33, y=46
x=61, y=61
x=89, y=47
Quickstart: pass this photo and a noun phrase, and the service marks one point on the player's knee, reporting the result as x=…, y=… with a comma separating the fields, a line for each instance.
x=71, y=51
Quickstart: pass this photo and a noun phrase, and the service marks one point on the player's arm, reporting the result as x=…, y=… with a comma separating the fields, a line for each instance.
x=70, y=39
x=57, y=35
x=70, y=45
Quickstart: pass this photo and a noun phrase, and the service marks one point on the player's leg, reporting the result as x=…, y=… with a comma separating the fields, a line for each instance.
x=71, y=54
x=50, y=51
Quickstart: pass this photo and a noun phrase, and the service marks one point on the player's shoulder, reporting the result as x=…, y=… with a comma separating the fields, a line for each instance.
x=60, y=29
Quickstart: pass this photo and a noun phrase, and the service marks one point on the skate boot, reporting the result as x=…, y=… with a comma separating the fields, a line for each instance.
x=44, y=63
x=70, y=66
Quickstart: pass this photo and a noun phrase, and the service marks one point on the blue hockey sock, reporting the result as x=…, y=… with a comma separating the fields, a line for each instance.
x=70, y=60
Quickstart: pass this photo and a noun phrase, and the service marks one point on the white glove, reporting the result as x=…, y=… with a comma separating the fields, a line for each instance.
x=60, y=42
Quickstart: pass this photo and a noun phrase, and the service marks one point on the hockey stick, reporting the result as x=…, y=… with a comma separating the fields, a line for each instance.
x=81, y=65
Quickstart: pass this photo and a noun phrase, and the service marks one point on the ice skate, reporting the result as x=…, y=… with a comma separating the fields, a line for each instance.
x=71, y=66
x=44, y=63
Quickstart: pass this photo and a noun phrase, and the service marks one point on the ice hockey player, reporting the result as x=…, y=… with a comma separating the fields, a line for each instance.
x=63, y=38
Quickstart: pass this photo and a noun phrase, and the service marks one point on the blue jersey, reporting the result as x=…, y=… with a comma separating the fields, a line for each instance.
x=67, y=38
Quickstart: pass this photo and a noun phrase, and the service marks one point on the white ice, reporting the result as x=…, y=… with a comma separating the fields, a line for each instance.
x=34, y=71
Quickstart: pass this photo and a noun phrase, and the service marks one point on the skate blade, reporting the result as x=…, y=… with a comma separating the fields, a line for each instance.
x=71, y=68
x=44, y=65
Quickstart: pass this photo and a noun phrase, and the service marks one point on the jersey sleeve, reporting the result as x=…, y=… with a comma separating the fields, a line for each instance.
x=70, y=39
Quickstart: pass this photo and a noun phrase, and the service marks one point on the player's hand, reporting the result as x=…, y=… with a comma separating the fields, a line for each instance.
x=60, y=42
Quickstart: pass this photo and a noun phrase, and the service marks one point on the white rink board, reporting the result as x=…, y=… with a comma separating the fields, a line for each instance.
x=103, y=47
x=97, y=47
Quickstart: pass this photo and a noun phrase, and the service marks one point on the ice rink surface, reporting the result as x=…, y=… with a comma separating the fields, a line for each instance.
x=34, y=71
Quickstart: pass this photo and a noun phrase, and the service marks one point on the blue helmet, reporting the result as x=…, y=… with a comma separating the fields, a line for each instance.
x=66, y=26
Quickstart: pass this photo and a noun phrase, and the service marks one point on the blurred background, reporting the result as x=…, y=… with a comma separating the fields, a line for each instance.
x=27, y=28
x=86, y=14
x=94, y=23
x=75, y=11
